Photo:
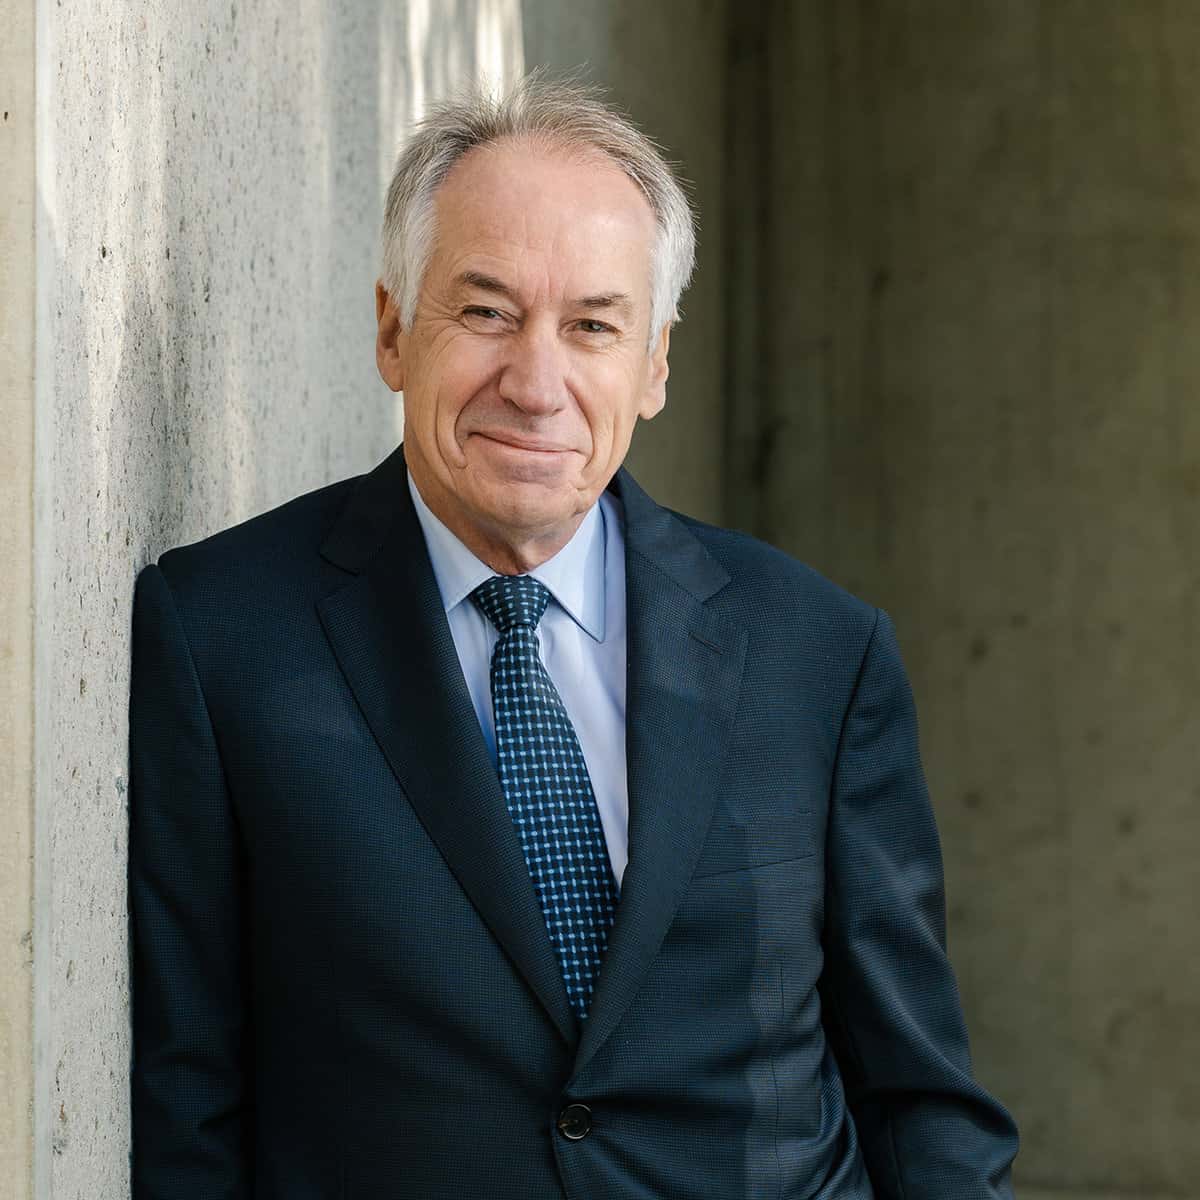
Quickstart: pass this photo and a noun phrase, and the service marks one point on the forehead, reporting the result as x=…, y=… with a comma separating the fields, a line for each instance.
x=559, y=216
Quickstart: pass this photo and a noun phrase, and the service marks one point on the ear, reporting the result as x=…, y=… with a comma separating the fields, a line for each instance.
x=655, y=394
x=391, y=340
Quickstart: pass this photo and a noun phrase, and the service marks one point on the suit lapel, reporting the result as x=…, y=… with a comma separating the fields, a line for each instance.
x=683, y=679
x=388, y=629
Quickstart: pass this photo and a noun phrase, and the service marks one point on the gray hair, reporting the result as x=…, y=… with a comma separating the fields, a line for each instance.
x=562, y=113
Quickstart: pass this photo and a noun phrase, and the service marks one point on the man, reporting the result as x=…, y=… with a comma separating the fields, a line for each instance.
x=498, y=833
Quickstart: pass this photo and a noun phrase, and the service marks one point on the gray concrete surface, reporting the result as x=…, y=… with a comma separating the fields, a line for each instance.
x=980, y=291
x=211, y=179
x=665, y=64
x=17, y=192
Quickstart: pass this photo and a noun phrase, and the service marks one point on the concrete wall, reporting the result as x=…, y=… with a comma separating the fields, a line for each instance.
x=979, y=303
x=16, y=596
x=210, y=177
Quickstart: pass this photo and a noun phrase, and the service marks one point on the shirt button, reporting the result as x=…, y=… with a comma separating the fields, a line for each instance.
x=575, y=1122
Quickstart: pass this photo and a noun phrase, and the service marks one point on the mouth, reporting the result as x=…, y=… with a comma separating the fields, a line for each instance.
x=529, y=445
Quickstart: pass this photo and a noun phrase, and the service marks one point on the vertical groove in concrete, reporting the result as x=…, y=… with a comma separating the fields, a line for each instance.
x=747, y=266
x=664, y=64
x=17, y=281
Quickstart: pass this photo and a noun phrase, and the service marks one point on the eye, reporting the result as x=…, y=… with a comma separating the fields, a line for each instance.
x=587, y=325
x=481, y=318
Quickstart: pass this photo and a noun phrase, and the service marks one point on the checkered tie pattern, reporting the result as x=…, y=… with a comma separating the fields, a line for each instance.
x=546, y=785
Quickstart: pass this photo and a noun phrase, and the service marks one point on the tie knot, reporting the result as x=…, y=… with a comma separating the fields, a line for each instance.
x=509, y=601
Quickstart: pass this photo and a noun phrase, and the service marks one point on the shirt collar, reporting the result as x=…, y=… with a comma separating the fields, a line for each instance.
x=574, y=576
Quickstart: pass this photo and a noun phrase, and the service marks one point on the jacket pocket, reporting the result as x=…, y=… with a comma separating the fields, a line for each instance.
x=777, y=837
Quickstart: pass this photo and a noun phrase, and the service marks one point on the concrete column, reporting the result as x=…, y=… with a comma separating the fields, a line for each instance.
x=17, y=191
x=210, y=178
x=982, y=415
x=664, y=63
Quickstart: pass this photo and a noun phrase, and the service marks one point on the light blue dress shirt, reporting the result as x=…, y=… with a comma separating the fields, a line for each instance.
x=582, y=638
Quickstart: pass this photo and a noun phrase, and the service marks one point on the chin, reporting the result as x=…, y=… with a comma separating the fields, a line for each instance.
x=531, y=506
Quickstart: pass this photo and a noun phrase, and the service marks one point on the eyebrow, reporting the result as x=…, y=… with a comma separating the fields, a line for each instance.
x=600, y=302
x=608, y=300
x=486, y=283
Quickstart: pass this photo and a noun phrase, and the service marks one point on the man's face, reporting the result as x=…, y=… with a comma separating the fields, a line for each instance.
x=527, y=367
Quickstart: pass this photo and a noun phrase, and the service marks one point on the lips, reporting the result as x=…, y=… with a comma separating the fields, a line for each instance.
x=520, y=443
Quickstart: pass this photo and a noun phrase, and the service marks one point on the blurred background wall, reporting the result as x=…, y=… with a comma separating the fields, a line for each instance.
x=970, y=391
x=941, y=345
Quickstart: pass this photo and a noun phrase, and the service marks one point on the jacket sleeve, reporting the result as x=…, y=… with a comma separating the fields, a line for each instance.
x=927, y=1130
x=191, y=1100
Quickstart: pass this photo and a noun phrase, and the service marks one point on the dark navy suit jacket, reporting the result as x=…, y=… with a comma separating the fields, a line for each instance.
x=343, y=985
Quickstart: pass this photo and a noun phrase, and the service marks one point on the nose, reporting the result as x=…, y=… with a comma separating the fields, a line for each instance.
x=534, y=374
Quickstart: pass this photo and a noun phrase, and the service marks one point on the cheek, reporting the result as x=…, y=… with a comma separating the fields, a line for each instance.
x=449, y=388
x=451, y=372
x=612, y=431
x=609, y=400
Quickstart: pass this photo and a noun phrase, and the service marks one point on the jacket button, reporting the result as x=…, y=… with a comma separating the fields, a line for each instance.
x=575, y=1122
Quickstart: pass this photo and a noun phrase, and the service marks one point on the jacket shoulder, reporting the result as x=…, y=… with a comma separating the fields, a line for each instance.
x=275, y=547
x=765, y=575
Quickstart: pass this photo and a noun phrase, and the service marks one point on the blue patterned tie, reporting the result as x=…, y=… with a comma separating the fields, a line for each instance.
x=546, y=785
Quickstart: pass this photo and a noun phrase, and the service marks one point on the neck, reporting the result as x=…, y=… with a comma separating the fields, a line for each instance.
x=508, y=555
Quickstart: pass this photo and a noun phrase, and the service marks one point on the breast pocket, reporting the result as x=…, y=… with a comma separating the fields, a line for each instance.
x=758, y=842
